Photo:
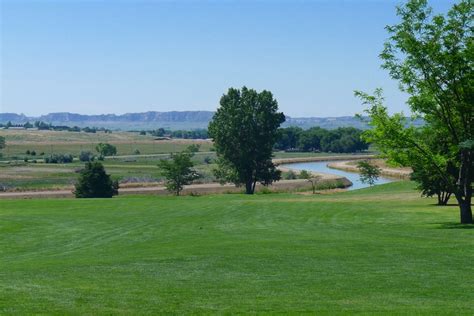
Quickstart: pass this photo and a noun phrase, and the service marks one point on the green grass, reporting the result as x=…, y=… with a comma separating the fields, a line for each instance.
x=375, y=250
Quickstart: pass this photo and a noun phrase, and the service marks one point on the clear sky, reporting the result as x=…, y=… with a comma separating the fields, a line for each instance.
x=95, y=57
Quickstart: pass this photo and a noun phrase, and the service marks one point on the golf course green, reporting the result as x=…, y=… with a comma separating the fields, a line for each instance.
x=374, y=250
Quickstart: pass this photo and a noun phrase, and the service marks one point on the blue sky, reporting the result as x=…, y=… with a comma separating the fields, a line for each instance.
x=97, y=57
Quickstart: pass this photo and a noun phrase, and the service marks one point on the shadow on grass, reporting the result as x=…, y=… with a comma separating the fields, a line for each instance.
x=455, y=226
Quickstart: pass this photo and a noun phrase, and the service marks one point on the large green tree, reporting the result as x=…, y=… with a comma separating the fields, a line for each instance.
x=244, y=130
x=432, y=57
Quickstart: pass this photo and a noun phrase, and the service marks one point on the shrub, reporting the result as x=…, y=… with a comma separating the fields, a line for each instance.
x=59, y=158
x=136, y=152
x=290, y=175
x=86, y=156
x=264, y=190
x=304, y=174
x=193, y=148
x=94, y=182
x=105, y=149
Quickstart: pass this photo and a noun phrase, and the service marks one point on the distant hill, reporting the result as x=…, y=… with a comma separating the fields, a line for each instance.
x=171, y=120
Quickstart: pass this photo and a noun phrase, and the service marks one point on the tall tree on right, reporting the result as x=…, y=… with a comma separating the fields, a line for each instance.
x=432, y=57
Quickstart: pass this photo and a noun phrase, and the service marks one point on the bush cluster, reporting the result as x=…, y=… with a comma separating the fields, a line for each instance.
x=59, y=158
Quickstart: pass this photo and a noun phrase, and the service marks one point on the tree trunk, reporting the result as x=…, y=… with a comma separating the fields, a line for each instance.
x=443, y=198
x=466, y=212
x=465, y=208
x=249, y=187
x=464, y=193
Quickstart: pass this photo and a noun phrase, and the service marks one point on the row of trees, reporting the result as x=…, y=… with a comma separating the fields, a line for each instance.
x=185, y=134
x=103, y=149
x=341, y=140
x=48, y=126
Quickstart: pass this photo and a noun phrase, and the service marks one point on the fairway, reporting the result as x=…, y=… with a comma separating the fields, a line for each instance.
x=382, y=249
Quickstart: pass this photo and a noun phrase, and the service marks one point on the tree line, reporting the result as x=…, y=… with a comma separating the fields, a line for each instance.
x=40, y=125
x=317, y=139
x=185, y=134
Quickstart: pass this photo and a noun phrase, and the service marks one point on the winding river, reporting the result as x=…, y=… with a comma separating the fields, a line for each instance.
x=323, y=168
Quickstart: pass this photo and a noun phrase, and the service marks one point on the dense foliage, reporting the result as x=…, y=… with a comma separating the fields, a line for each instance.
x=341, y=140
x=59, y=158
x=244, y=130
x=369, y=173
x=93, y=182
x=432, y=58
x=185, y=134
x=431, y=183
x=106, y=149
x=86, y=156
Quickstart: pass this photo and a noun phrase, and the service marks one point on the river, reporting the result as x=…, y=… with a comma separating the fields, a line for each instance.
x=323, y=168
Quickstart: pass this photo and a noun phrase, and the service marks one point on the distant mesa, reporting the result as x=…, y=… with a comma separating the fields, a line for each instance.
x=173, y=120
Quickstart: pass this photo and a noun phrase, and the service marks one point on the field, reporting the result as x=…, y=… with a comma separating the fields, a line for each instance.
x=54, y=142
x=382, y=249
x=139, y=171
x=130, y=168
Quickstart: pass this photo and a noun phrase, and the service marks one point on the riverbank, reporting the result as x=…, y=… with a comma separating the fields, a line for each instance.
x=282, y=161
x=386, y=171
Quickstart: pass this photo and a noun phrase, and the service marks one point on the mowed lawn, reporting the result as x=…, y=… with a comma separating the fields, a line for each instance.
x=382, y=249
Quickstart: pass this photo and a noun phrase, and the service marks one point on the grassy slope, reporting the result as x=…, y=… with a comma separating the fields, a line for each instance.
x=371, y=250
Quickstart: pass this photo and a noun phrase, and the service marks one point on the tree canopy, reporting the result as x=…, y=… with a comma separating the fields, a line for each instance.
x=95, y=183
x=244, y=130
x=369, y=173
x=105, y=149
x=340, y=140
x=178, y=171
x=432, y=58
